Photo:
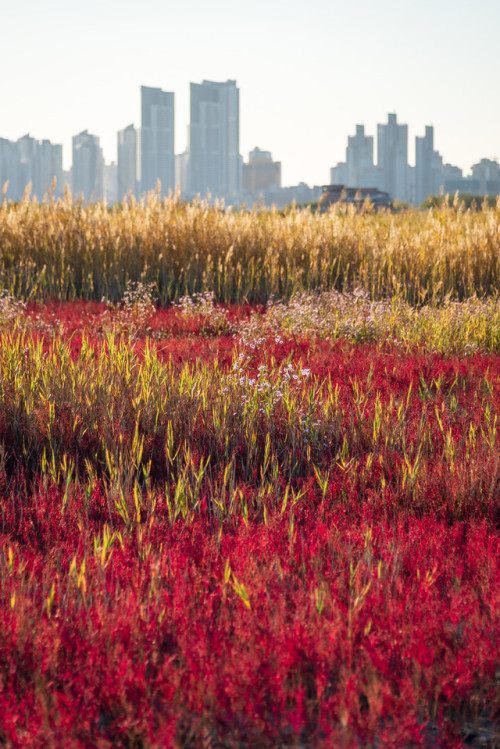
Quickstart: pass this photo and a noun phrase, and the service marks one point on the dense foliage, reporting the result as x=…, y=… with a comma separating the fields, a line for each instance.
x=69, y=250
x=249, y=527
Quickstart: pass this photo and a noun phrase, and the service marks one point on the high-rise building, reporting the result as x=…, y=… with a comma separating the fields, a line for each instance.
x=28, y=161
x=27, y=153
x=392, y=157
x=11, y=170
x=157, y=140
x=88, y=167
x=111, y=183
x=428, y=166
x=359, y=159
x=487, y=173
x=48, y=165
x=214, y=140
x=182, y=172
x=452, y=180
x=338, y=174
x=261, y=172
x=127, y=162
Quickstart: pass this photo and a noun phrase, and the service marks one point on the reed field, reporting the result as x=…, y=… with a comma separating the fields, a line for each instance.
x=67, y=250
x=249, y=477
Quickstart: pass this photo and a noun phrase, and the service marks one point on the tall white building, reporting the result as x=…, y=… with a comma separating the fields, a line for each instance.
x=392, y=157
x=214, y=140
x=487, y=174
x=27, y=155
x=127, y=162
x=87, y=173
x=30, y=161
x=360, y=170
x=111, y=183
x=12, y=172
x=48, y=166
x=338, y=174
x=182, y=172
x=157, y=140
x=428, y=166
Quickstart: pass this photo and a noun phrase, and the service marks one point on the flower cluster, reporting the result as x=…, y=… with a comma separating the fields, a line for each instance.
x=134, y=312
x=213, y=319
x=10, y=308
x=331, y=314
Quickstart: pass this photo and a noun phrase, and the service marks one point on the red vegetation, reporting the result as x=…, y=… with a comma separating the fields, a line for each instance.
x=348, y=597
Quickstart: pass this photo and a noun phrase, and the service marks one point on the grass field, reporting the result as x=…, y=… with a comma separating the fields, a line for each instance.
x=250, y=499
x=68, y=250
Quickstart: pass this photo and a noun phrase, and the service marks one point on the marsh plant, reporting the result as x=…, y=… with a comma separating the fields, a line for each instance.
x=67, y=250
x=211, y=318
x=134, y=311
x=255, y=525
x=11, y=309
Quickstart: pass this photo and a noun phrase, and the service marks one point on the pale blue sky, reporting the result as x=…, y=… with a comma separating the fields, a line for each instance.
x=307, y=73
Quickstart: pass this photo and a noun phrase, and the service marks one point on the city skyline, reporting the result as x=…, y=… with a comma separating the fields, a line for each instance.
x=305, y=77
x=213, y=164
x=392, y=173
x=170, y=180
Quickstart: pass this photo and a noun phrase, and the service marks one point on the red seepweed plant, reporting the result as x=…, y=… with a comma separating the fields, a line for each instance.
x=249, y=538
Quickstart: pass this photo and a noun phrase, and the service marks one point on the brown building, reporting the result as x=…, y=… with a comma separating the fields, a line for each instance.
x=261, y=172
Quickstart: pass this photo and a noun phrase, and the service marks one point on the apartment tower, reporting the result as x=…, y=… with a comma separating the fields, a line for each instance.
x=392, y=157
x=157, y=140
x=127, y=162
x=88, y=166
x=214, y=140
x=359, y=159
x=428, y=166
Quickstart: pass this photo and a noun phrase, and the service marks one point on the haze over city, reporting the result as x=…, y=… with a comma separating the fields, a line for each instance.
x=306, y=76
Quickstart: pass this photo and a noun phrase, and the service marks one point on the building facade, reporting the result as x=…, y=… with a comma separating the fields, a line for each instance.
x=111, y=183
x=360, y=169
x=392, y=157
x=48, y=172
x=28, y=161
x=428, y=167
x=338, y=174
x=214, y=140
x=127, y=162
x=182, y=172
x=12, y=176
x=261, y=172
x=487, y=173
x=157, y=140
x=87, y=173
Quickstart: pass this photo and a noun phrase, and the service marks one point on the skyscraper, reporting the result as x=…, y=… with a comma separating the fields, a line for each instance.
x=428, y=166
x=392, y=157
x=30, y=161
x=27, y=154
x=11, y=169
x=127, y=161
x=487, y=174
x=88, y=166
x=110, y=179
x=214, y=140
x=261, y=172
x=182, y=172
x=157, y=139
x=359, y=159
x=48, y=164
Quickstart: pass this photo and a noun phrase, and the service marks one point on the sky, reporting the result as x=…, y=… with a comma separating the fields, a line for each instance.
x=307, y=72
